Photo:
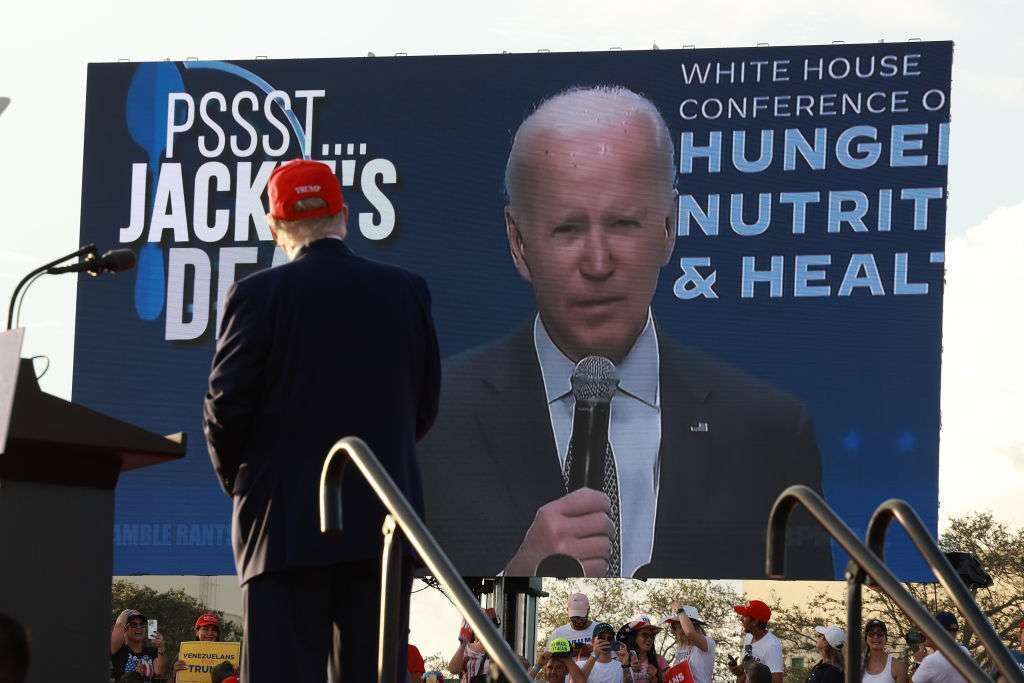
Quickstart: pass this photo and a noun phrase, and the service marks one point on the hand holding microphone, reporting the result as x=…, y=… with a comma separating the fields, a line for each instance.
x=578, y=524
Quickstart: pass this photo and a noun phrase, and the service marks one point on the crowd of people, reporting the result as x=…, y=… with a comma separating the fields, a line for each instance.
x=137, y=656
x=583, y=650
x=586, y=650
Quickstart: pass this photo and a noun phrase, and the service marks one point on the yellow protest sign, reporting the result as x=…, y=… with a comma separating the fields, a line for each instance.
x=200, y=658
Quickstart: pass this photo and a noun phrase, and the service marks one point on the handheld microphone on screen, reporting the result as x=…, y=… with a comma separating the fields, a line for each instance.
x=594, y=382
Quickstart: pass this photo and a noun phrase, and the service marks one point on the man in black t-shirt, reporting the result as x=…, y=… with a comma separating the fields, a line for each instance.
x=128, y=649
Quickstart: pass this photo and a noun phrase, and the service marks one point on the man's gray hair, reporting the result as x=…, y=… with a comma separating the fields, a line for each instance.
x=299, y=233
x=595, y=108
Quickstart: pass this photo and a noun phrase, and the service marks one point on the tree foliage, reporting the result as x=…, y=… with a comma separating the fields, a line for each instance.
x=175, y=612
x=1001, y=552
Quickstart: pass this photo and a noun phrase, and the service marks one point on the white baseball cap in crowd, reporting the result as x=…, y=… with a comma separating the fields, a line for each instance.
x=834, y=636
x=690, y=611
x=579, y=605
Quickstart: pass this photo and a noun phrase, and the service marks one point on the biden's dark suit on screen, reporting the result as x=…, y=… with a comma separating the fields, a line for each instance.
x=729, y=445
x=326, y=346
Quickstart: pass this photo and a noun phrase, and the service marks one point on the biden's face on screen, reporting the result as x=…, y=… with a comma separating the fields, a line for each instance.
x=590, y=224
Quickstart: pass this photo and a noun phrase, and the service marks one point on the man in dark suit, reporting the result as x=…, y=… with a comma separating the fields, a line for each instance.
x=701, y=450
x=325, y=346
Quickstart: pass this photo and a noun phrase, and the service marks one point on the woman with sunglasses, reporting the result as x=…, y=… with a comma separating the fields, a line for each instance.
x=648, y=666
x=879, y=664
x=693, y=645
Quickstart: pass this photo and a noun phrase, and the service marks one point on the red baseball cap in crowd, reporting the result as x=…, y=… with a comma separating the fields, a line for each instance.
x=755, y=609
x=642, y=621
x=303, y=179
x=208, y=619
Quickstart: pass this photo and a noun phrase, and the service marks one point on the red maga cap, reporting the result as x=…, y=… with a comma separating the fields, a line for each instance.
x=207, y=619
x=755, y=609
x=302, y=179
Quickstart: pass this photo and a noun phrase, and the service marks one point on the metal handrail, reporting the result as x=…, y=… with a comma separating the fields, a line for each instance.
x=901, y=511
x=871, y=565
x=412, y=527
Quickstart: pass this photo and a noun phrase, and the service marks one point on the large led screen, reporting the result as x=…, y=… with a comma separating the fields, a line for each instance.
x=752, y=238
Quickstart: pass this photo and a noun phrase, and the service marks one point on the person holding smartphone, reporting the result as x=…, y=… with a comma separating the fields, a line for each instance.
x=608, y=660
x=759, y=644
x=128, y=649
x=645, y=662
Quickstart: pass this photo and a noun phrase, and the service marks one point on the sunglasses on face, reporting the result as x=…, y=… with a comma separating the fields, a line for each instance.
x=136, y=624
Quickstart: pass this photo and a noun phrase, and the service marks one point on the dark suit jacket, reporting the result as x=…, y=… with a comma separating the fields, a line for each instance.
x=490, y=463
x=327, y=346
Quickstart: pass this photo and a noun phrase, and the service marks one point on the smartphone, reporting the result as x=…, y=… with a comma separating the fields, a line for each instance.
x=150, y=628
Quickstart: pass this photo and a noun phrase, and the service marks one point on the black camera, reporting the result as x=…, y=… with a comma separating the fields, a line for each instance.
x=914, y=638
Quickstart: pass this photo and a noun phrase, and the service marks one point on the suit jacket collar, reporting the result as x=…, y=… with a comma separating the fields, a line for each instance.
x=518, y=415
x=325, y=244
x=688, y=469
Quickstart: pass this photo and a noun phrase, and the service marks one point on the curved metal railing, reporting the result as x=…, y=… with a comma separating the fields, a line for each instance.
x=900, y=510
x=401, y=517
x=863, y=563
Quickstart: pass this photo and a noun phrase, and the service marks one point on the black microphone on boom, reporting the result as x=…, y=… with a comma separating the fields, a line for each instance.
x=113, y=261
x=594, y=382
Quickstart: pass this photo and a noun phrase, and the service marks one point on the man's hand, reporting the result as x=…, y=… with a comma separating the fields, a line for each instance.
x=576, y=525
x=158, y=642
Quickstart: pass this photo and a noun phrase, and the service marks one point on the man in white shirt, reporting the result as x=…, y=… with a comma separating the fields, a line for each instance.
x=580, y=629
x=935, y=667
x=759, y=644
x=605, y=664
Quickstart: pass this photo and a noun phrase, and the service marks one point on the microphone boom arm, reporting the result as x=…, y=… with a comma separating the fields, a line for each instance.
x=87, y=250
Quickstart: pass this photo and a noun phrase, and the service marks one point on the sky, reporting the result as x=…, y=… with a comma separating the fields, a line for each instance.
x=45, y=50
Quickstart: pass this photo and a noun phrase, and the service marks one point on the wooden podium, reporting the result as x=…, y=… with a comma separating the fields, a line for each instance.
x=59, y=464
